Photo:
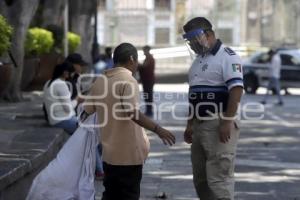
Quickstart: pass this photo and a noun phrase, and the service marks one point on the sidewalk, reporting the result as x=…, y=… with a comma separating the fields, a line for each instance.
x=166, y=170
x=27, y=144
x=267, y=165
x=267, y=159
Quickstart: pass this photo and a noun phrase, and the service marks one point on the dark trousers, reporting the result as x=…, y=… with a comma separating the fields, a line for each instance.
x=148, y=95
x=122, y=182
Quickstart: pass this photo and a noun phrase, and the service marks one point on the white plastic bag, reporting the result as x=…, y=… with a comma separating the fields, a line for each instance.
x=70, y=176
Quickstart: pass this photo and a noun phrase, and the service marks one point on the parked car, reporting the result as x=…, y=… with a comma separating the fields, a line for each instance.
x=256, y=68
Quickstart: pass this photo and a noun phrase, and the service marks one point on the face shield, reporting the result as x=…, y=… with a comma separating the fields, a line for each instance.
x=196, y=42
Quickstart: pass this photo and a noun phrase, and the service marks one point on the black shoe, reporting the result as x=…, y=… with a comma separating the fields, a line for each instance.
x=149, y=113
x=280, y=103
x=263, y=102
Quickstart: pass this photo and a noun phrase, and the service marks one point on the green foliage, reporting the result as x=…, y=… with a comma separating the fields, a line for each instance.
x=5, y=35
x=74, y=41
x=38, y=41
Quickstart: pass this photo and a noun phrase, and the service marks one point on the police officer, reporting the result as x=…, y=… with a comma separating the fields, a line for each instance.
x=216, y=87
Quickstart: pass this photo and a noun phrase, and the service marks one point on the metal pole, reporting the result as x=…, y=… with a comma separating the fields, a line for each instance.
x=66, y=28
x=260, y=18
x=95, y=46
x=216, y=15
x=297, y=6
x=96, y=24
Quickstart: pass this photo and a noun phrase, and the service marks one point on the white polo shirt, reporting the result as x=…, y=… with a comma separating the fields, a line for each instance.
x=211, y=77
x=57, y=100
x=275, y=66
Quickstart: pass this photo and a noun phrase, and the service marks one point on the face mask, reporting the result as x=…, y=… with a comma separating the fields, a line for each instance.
x=196, y=42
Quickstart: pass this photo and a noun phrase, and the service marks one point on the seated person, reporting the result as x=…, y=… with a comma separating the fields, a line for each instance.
x=57, y=99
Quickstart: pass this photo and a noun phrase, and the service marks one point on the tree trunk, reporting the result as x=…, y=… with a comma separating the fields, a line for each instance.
x=52, y=12
x=81, y=13
x=19, y=15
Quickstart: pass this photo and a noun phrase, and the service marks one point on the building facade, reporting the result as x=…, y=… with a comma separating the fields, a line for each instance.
x=236, y=22
x=159, y=22
x=272, y=23
x=141, y=22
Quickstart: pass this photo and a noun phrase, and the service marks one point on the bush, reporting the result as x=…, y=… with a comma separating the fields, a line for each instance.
x=5, y=35
x=74, y=41
x=38, y=41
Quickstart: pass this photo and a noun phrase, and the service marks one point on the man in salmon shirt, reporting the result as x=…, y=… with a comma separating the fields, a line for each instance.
x=115, y=98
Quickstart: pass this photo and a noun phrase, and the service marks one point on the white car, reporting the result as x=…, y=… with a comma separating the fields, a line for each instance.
x=256, y=68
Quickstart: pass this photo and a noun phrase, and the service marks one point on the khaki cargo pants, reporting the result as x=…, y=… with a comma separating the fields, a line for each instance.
x=213, y=161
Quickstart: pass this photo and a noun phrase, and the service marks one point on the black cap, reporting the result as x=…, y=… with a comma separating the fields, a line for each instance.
x=197, y=22
x=76, y=58
x=66, y=66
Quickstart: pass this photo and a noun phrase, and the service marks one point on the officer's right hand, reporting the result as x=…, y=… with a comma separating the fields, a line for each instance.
x=188, y=135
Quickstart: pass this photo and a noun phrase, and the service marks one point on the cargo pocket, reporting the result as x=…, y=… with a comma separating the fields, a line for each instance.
x=220, y=168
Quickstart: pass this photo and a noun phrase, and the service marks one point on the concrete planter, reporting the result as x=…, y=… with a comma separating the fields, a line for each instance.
x=44, y=70
x=5, y=73
x=31, y=67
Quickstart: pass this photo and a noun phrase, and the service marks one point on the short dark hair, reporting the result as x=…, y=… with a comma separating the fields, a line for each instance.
x=198, y=22
x=147, y=48
x=60, y=69
x=108, y=50
x=123, y=52
x=271, y=52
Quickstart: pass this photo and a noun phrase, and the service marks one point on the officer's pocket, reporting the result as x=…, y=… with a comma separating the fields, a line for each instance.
x=236, y=124
x=221, y=167
x=226, y=162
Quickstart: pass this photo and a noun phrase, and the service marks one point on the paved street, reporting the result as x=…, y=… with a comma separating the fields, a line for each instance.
x=268, y=161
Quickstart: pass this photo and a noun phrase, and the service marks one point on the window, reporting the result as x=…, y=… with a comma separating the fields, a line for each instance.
x=289, y=60
x=134, y=29
x=131, y=4
x=262, y=58
x=102, y=4
x=296, y=61
x=162, y=36
x=163, y=4
x=225, y=35
x=226, y=6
